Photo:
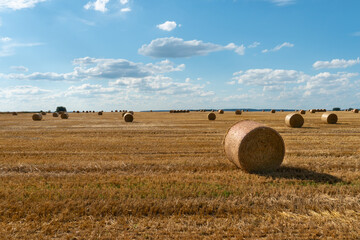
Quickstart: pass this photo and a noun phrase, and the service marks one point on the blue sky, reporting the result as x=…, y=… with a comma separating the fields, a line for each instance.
x=176, y=54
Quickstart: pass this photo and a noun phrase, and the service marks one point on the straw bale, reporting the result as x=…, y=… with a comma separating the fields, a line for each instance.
x=64, y=115
x=294, y=120
x=254, y=147
x=238, y=112
x=211, y=116
x=128, y=117
x=37, y=117
x=55, y=114
x=330, y=118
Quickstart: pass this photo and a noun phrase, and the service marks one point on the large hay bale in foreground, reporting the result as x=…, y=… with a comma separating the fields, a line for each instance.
x=330, y=118
x=254, y=147
x=221, y=111
x=64, y=116
x=294, y=120
x=238, y=112
x=37, y=117
x=55, y=114
x=128, y=117
x=211, y=116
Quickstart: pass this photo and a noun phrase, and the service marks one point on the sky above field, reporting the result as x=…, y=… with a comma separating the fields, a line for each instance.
x=178, y=54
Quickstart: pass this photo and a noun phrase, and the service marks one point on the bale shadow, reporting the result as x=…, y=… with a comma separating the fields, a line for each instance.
x=302, y=174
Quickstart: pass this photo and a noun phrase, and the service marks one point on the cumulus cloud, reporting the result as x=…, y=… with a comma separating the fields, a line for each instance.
x=98, y=5
x=336, y=63
x=177, y=48
x=167, y=26
x=21, y=91
x=94, y=68
x=19, y=68
x=282, y=2
x=126, y=9
x=18, y=4
x=254, y=45
x=7, y=48
x=268, y=76
x=278, y=47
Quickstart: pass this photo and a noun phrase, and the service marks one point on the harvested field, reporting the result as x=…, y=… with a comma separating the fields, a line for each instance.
x=165, y=176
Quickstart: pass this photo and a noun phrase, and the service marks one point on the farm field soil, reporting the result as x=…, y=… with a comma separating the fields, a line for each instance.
x=165, y=176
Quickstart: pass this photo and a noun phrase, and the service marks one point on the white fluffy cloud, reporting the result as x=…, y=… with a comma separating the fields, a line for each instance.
x=18, y=4
x=98, y=5
x=254, y=45
x=177, y=48
x=167, y=26
x=94, y=68
x=19, y=68
x=123, y=2
x=267, y=76
x=282, y=2
x=336, y=63
x=126, y=9
x=278, y=47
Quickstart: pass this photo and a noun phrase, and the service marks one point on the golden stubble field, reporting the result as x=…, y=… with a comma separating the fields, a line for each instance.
x=165, y=176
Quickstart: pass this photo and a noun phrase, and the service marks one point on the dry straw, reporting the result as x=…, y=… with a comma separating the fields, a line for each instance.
x=238, y=112
x=211, y=116
x=37, y=117
x=294, y=120
x=330, y=118
x=65, y=116
x=221, y=111
x=43, y=113
x=254, y=147
x=55, y=114
x=14, y=113
x=356, y=111
x=128, y=117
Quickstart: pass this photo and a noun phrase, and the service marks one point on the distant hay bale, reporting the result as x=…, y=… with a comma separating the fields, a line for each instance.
x=132, y=112
x=312, y=111
x=263, y=110
x=64, y=116
x=221, y=111
x=238, y=112
x=294, y=120
x=116, y=110
x=302, y=112
x=330, y=118
x=273, y=111
x=211, y=116
x=43, y=113
x=128, y=117
x=356, y=111
x=14, y=114
x=37, y=117
x=55, y=114
x=254, y=147
x=77, y=111
x=282, y=110
x=100, y=113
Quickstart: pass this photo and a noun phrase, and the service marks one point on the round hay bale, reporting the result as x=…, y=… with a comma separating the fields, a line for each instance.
x=263, y=110
x=330, y=118
x=294, y=120
x=282, y=110
x=254, y=147
x=273, y=111
x=61, y=112
x=356, y=111
x=302, y=112
x=55, y=114
x=211, y=116
x=14, y=114
x=43, y=113
x=238, y=112
x=221, y=111
x=312, y=111
x=37, y=117
x=128, y=117
x=100, y=113
x=64, y=116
